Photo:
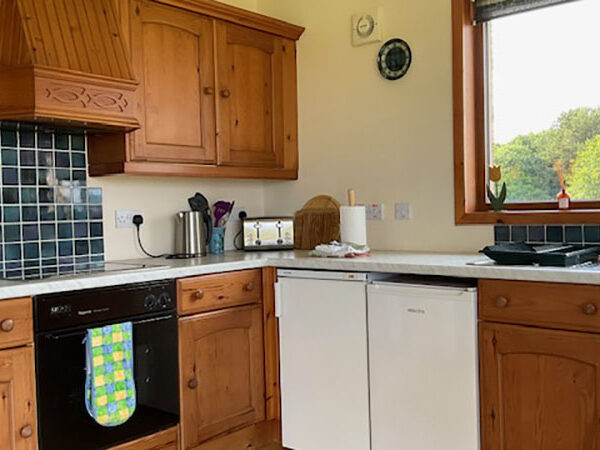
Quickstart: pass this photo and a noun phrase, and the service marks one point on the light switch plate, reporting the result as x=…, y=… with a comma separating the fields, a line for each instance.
x=124, y=218
x=367, y=26
x=402, y=211
x=374, y=211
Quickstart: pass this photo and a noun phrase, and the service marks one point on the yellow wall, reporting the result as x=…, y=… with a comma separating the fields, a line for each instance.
x=391, y=141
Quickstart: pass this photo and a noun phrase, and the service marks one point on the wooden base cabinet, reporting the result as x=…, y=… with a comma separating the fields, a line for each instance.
x=222, y=379
x=540, y=387
x=18, y=416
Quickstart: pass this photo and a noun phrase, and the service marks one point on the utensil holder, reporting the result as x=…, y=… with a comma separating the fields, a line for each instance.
x=217, y=241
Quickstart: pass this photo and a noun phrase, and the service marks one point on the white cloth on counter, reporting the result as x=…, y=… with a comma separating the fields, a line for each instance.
x=340, y=250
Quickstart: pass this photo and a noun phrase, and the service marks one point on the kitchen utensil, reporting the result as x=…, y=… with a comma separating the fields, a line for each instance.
x=193, y=231
x=318, y=222
x=198, y=202
x=221, y=212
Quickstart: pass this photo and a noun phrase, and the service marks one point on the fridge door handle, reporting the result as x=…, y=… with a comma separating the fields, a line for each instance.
x=278, y=299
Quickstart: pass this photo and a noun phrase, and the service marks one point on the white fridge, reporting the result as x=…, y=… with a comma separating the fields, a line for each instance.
x=423, y=366
x=323, y=360
x=377, y=365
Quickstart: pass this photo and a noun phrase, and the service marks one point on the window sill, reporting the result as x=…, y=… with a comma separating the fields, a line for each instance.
x=516, y=217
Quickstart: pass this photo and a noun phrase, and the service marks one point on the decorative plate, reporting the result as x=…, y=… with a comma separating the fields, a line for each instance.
x=394, y=59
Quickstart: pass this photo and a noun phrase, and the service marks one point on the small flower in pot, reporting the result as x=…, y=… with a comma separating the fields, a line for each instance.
x=497, y=198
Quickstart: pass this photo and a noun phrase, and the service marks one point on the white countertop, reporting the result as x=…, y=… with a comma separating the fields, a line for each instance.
x=452, y=265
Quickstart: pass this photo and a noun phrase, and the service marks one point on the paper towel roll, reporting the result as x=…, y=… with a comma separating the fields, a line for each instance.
x=353, y=224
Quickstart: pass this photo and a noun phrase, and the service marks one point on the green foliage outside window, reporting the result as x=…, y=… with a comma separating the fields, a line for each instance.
x=528, y=161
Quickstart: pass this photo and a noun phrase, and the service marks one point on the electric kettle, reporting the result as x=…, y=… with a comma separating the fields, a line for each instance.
x=192, y=233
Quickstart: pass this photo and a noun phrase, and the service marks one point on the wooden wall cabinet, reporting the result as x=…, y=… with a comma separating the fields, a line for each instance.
x=216, y=98
x=540, y=387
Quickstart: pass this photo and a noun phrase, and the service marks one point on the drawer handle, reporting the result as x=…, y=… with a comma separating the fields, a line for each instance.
x=249, y=287
x=7, y=325
x=199, y=294
x=501, y=302
x=225, y=93
x=590, y=309
x=193, y=383
x=26, y=432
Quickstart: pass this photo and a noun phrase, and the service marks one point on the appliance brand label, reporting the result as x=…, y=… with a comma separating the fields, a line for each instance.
x=416, y=311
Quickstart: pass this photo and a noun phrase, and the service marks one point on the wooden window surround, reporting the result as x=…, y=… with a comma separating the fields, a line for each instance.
x=470, y=206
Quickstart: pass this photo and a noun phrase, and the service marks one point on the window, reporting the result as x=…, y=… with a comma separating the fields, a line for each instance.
x=527, y=98
x=543, y=83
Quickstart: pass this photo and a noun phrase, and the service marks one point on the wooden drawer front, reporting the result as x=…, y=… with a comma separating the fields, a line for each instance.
x=163, y=440
x=553, y=305
x=212, y=292
x=16, y=322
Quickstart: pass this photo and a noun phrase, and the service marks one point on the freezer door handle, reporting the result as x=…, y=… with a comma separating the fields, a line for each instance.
x=278, y=299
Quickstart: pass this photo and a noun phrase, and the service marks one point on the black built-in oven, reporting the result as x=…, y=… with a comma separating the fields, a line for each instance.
x=61, y=321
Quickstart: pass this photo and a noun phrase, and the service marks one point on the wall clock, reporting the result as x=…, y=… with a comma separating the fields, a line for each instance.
x=394, y=59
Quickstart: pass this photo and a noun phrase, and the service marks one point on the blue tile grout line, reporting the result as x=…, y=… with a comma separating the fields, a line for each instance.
x=51, y=221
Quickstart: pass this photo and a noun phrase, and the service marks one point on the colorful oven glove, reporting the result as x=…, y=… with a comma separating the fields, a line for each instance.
x=110, y=387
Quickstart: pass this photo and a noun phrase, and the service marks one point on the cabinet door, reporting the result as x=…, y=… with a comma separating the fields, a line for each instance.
x=18, y=428
x=254, y=71
x=540, y=389
x=173, y=58
x=222, y=373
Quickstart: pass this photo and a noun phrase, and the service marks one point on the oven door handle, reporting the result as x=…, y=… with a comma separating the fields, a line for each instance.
x=137, y=322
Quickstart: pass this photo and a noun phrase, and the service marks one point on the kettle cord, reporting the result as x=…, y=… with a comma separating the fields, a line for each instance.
x=138, y=220
x=235, y=240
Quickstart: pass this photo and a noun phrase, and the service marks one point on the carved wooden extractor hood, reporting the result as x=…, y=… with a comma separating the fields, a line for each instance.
x=65, y=62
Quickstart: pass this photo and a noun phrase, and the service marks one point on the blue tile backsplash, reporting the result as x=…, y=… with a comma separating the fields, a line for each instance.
x=548, y=234
x=51, y=222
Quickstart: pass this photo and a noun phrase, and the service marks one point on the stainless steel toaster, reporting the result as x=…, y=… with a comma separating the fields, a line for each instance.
x=268, y=233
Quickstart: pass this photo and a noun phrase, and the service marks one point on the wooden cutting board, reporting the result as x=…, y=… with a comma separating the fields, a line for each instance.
x=318, y=222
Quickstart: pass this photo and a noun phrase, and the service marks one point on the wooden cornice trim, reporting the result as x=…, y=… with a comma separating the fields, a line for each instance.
x=239, y=16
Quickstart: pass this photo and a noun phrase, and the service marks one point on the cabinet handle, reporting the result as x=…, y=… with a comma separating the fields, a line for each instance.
x=193, y=383
x=209, y=90
x=590, y=309
x=199, y=294
x=501, y=302
x=249, y=287
x=26, y=432
x=7, y=325
x=225, y=93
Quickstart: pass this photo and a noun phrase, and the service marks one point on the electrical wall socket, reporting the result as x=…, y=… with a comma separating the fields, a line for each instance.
x=374, y=211
x=124, y=218
x=403, y=211
x=235, y=213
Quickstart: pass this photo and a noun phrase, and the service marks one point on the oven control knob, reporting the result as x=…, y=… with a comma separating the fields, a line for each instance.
x=165, y=300
x=150, y=302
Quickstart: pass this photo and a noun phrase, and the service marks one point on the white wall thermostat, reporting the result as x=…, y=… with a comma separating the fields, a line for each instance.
x=366, y=26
